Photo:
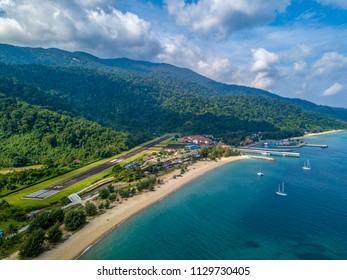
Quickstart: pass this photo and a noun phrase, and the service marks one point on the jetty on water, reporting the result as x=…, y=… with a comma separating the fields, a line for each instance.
x=323, y=146
x=270, y=152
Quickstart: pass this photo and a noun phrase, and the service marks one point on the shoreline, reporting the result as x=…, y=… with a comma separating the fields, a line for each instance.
x=322, y=133
x=100, y=226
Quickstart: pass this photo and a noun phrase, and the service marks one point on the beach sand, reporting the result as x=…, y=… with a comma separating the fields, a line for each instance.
x=318, y=133
x=322, y=133
x=101, y=225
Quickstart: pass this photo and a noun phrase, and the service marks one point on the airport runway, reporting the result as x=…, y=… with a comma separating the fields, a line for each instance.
x=90, y=172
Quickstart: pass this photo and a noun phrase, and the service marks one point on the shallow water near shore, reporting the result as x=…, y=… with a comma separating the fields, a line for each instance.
x=231, y=213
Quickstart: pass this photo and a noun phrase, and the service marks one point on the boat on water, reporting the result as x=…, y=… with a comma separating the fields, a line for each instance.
x=307, y=165
x=280, y=190
x=260, y=173
x=265, y=153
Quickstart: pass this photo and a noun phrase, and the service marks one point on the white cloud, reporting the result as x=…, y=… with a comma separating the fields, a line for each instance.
x=218, y=68
x=301, y=51
x=91, y=3
x=182, y=53
x=299, y=66
x=333, y=90
x=11, y=27
x=77, y=25
x=6, y=3
x=178, y=51
x=330, y=62
x=263, y=68
x=337, y=3
x=263, y=59
x=263, y=80
x=218, y=18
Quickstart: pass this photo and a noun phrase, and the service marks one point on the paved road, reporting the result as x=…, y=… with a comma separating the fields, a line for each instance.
x=79, y=177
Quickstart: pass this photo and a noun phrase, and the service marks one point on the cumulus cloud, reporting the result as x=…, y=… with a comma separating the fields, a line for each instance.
x=180, y=52
x=333, y=90
x=218, y=68
x=330, y=62
x=92, y=26
x=337, y=3
x=263, y=68
x=263, y=59
x=11, y=27
x=263, y=80
x=218, y=18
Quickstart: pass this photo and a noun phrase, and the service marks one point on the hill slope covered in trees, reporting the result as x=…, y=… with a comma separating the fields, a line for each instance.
x=154, y=71
x=143, y=98
x=32, y=135
x=57, y=106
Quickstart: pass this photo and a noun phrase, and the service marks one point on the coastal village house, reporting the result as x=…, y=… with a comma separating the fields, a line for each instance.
x=197, y=139
x=246, y=142
x=224, y=146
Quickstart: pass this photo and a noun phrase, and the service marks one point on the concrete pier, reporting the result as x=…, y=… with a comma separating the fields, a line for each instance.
x=268, y=152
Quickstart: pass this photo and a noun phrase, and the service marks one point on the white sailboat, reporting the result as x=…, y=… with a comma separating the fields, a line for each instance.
x=281, y=191
x=260, y=173
x=307, y=165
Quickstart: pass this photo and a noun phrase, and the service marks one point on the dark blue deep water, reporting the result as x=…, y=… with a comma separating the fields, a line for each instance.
x=231, y=213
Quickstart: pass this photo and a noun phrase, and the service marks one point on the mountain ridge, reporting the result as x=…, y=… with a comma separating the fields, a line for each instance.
x=27, y=55
x=145, y=98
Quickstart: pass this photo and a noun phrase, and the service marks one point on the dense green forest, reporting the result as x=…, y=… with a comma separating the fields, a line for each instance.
x=142, y=106
x=166, y=75
x=32, y=135
x=58, y=106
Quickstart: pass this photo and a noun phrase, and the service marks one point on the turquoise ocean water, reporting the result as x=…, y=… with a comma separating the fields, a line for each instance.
x=231, y=213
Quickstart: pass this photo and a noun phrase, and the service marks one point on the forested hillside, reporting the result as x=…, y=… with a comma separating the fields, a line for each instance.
x=57, y=107
x=146, y=99
x=181, y=79
x=32, y=135
x=142, y=106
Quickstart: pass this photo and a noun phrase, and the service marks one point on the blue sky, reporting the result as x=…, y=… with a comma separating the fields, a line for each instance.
x=294, y=48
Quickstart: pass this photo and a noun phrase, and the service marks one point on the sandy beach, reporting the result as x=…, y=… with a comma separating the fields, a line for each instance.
x=322, y=133
x=100, y=226
x=318, y=133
